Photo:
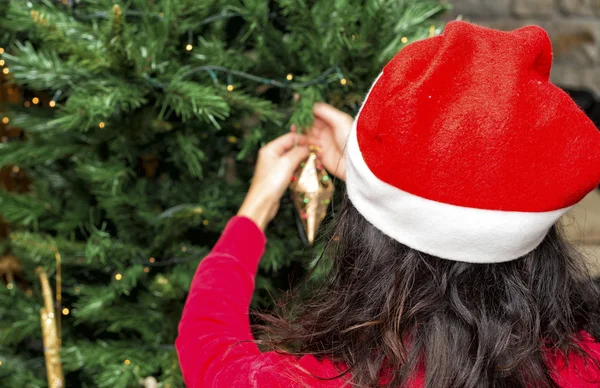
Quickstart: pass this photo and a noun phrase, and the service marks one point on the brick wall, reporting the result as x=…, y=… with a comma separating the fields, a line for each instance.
x=573, y=26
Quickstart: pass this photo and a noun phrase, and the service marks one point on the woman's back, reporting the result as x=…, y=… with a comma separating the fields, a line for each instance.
x=217, y=349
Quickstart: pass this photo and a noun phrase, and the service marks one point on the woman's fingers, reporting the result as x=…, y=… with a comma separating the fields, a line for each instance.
x=333, y=117
x=328, y=133
x=284, y=143
x=319, y=128
x=334, y=161
x=296, y=156
x=337, y=125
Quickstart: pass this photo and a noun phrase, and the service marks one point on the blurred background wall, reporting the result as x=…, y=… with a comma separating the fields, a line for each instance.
x=574, y=27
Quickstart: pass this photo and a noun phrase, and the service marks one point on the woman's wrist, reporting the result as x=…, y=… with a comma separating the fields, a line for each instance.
x=259, y=210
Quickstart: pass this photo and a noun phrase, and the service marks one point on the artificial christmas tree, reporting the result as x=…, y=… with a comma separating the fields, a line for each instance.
x=141, y=122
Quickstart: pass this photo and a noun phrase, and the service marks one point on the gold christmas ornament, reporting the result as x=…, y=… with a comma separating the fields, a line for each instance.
x=312, y=190
x=50, y=334
x=9, y=267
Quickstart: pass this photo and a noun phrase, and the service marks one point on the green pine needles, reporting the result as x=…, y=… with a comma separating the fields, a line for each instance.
x=142, y=146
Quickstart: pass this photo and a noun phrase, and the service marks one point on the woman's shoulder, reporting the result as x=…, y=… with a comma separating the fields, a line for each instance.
x=576, y=369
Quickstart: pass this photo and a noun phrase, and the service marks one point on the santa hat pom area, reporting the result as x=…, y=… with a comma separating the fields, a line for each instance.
x=463, y=149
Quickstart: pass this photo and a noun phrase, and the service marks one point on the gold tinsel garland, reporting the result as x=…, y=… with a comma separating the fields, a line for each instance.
x=13, y=179
x=50, y=332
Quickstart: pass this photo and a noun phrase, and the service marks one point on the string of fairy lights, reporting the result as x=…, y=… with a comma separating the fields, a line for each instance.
x=332, y=74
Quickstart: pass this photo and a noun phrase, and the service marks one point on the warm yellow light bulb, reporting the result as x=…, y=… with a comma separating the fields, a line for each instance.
x=65, y=311
x=289, y=77
x=230, y=88
x=205, y=222
x=1, y=50
x=101, y=124
x=146, y=269
x=152, y=260
x=126, y=362
x=404, y=39
x=52, y=104
x=232, y=139
x=0, y=363
x=2, y=62
x=343, y=81
x=118, y=276
x=35, y=100
x=5, y=120
x=189, y=47
x=9, y=286
x=5, y=70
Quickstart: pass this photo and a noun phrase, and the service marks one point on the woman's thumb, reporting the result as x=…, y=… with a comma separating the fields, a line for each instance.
x=331, y=116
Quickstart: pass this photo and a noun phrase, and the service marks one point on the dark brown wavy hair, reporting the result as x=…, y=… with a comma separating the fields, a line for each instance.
x=386, y=311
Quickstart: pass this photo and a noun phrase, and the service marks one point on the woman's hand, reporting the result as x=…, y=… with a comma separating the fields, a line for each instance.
x=330, y=132
x=276, y=164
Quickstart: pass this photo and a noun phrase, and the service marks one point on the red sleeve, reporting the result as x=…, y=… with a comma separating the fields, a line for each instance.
x=578, y=372
x=215, y=345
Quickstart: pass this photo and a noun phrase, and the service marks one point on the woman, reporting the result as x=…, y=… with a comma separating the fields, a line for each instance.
x=447, y=269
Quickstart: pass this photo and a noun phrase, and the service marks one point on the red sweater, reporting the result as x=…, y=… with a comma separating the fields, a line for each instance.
x=216, y=347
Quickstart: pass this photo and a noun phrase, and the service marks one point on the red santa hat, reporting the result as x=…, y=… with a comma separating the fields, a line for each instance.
x=464, y=150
